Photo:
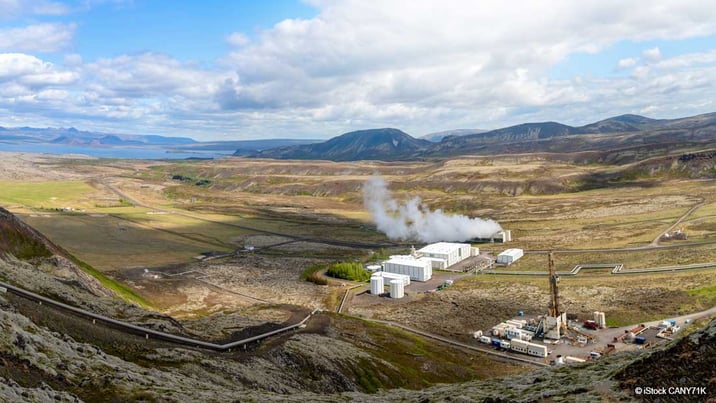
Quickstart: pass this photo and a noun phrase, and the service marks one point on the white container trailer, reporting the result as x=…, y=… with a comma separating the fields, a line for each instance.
x=528, y=348
x=510, y=256
x=537, y=350
x=396, y=289
x=505, y=344
x=517, y=323
x=518, y=334
x=418, y=269
x=376, y=285
x=485, y=339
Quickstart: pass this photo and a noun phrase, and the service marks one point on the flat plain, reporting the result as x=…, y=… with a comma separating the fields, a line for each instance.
x=218, y=233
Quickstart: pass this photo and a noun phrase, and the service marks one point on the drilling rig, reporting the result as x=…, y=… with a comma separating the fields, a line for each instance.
x=553, y=290
x=554, y=325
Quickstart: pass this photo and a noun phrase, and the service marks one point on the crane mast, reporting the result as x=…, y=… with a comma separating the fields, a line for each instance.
x=554, y=291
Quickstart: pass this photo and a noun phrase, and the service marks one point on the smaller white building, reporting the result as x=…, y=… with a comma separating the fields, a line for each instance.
x=504, y=236
x=510, y=256
x=418, y=269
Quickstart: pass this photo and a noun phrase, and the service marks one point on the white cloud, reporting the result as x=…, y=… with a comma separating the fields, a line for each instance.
x=652, y=55
x=237, y=39
x=36, y=38
x=18, y=8
x=627, y=63
x=421, y=66
x=30, y=71
x=150, y=75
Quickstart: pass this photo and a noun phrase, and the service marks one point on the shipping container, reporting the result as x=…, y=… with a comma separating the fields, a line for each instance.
x=639, y=340
x=485, y=339
x=509, y=256
x=496, y=342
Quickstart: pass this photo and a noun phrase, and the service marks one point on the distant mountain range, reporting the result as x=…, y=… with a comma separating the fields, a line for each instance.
x=73, y=137
x=614, y=133
x=389, y=144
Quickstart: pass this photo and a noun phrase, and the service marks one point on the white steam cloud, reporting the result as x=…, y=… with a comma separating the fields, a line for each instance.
x=412, y=220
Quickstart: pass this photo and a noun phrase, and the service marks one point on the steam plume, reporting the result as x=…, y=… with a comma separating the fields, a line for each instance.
x=412, y=220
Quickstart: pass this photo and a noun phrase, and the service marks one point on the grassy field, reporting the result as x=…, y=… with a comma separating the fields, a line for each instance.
x=46, y=195
x=111, y=242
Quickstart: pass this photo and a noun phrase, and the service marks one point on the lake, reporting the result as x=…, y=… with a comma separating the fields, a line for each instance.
x=110, y=152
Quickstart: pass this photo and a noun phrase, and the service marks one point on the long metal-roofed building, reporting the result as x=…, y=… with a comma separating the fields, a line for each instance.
x=419, y=265
x=446, y=254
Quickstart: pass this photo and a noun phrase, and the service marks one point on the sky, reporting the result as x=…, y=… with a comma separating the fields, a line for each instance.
x=241, y=69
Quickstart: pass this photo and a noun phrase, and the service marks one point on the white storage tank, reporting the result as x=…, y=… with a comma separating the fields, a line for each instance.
x=510, y=256
x=376, y=285
x=600, y=319
x=396, y=289
x=373, y=268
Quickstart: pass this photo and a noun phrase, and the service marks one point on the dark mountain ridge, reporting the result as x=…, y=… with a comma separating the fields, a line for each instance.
x=554, y=137
x=373, y=144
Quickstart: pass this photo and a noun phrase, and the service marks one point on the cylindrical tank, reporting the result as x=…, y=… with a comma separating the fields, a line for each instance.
x=602, y=320
x=396, y=289
x=376, y=285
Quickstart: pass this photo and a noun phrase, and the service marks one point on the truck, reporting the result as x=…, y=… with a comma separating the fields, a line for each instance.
x=590, y=324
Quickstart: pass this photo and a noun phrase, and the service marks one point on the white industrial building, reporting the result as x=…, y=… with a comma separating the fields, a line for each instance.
x=447, y=252
x=417, y=268
x=509, y=256
x=419, y=265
